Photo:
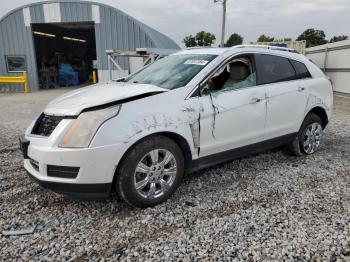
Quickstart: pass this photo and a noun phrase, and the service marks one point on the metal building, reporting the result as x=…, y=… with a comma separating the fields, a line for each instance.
x=334, y=60
x=40, y=37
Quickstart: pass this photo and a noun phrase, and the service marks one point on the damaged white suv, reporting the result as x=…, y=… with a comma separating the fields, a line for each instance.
x=139, y=135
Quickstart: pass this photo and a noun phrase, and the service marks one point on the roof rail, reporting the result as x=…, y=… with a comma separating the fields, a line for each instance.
x=272, y=47
x=197, y=47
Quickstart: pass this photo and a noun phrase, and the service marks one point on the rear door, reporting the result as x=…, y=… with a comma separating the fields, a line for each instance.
x=286, y=95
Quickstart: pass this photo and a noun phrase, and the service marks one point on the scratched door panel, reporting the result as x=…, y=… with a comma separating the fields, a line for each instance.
x=232, y=119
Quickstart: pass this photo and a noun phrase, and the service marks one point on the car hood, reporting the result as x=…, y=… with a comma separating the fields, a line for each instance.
x=72, y=103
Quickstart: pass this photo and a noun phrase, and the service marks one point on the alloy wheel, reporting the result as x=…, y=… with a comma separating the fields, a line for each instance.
x=312, y=138
x=155, y=173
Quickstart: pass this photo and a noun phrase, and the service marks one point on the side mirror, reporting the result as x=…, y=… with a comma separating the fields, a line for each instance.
x=204, y=90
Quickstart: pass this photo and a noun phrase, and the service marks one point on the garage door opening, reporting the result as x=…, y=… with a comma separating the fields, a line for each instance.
x=65, y=53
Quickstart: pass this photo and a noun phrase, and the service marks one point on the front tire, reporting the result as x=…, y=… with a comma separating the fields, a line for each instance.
x=150, y=172
x=309, y=138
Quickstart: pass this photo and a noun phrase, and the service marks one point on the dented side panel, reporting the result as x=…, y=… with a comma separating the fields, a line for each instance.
x=195, y=131
x=166, y=112
x=229, y=120
x=320, y=95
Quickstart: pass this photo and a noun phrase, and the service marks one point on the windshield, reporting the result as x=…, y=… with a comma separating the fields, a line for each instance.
x=172, y=71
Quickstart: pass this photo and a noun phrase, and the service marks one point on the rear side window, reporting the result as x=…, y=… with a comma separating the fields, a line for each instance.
x=301, y=69
x=273, y=69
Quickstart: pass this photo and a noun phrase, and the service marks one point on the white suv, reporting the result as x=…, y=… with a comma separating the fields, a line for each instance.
x=139, y=135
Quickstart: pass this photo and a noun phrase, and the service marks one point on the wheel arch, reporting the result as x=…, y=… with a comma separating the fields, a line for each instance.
x=178, y=139
x=321, y=112
x=182, y=143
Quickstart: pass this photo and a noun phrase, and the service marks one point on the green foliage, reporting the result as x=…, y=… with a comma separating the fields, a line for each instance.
x=205, y=38
x=202, y=38
x=190, y=41
x=264, y=38
x=234, y=39
x=338, y=38
x=313, y=37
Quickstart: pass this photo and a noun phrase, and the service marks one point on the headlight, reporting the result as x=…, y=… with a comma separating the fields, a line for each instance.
x=85, y=127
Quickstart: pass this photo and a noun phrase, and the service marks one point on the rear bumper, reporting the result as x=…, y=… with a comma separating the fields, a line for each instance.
x=77, y=191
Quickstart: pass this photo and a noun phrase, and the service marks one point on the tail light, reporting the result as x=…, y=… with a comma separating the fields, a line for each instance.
x=330, y=80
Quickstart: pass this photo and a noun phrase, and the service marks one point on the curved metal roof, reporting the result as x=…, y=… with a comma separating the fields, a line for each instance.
x=160, y=40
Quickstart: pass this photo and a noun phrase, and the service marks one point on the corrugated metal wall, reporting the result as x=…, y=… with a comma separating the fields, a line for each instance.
x=114, y=30
x=16, y=39
x=334, y=60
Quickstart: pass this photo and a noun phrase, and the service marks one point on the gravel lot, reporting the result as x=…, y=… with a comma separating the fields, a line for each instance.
x=264, y=207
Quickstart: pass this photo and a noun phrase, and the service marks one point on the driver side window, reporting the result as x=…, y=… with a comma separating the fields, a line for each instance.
x=237, y=74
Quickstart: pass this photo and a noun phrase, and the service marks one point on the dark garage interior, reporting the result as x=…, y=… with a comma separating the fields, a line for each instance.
x=65, y=53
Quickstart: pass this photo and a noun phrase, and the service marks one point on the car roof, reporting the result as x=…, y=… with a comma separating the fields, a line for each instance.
x=202, y=51
x=290, y=53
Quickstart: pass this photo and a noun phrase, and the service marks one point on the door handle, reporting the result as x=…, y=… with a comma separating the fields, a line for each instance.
x=255, y=100
x=301, y=89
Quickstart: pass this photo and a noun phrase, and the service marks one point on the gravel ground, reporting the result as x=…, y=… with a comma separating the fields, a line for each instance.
x=264, y=207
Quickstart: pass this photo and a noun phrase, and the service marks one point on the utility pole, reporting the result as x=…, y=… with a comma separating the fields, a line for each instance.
x=223, y=21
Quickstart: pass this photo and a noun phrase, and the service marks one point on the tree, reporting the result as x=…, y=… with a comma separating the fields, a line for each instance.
x=264, y=38
x=338, y=38
x=313, y=37
x=234, y=39
x=205, y=38
x=202, y=38
x=190, y=41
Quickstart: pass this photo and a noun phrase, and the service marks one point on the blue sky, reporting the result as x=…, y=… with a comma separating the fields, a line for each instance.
x=250, y=18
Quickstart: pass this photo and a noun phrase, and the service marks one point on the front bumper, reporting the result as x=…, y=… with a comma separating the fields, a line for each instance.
x=76, y=191
x=96, y=167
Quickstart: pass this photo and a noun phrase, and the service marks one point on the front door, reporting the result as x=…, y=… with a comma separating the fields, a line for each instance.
x=233, y=111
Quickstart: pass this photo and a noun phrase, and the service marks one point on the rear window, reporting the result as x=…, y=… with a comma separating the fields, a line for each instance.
x=301, y=69
x=273, y=69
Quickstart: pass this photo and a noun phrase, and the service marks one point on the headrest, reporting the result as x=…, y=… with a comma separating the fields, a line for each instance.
x=238, y=71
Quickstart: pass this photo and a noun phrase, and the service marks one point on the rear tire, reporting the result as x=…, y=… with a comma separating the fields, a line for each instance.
x=309, y=138
x=150, y=172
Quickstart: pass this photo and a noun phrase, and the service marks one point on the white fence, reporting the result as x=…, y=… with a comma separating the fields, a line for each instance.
x=334, y=60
